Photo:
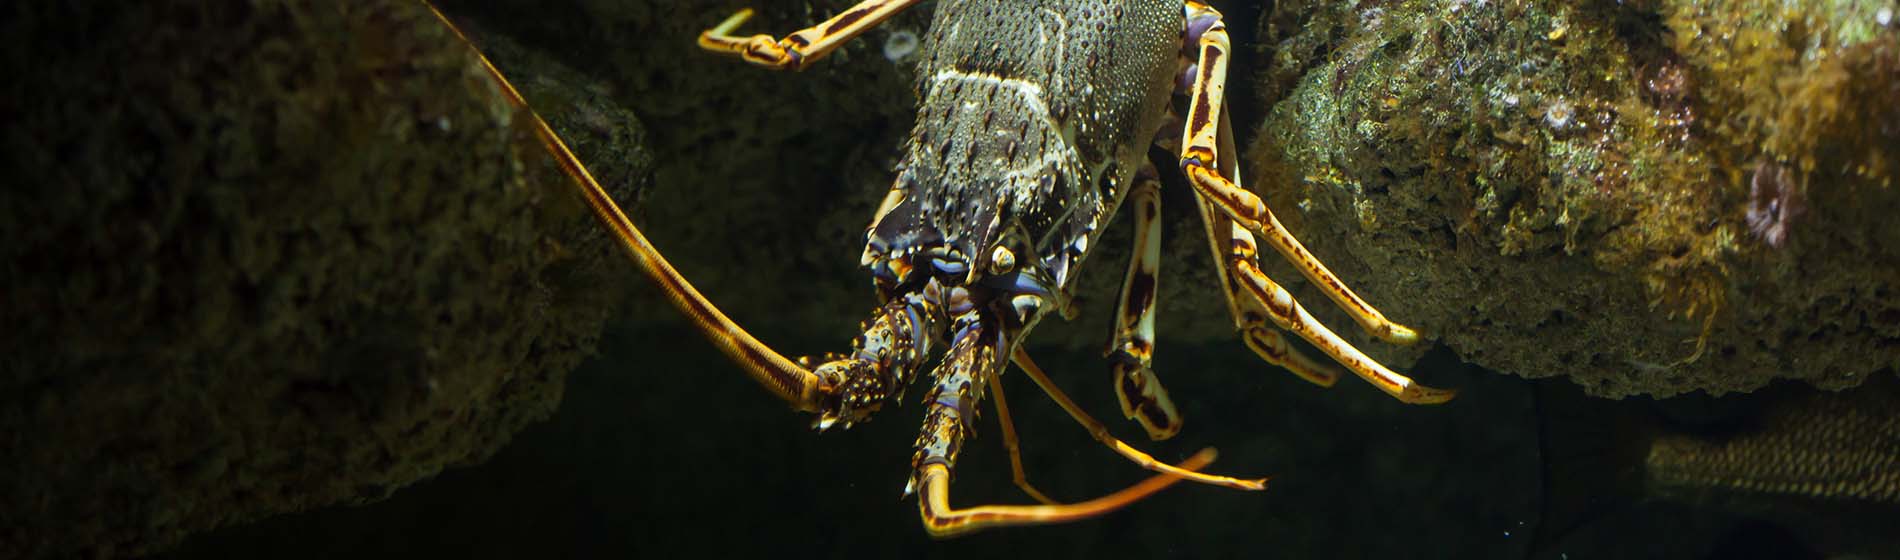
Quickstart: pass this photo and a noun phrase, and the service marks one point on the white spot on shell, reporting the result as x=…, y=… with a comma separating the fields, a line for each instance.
x=1884, y=16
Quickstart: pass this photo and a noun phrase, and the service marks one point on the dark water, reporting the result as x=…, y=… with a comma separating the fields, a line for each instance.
x=661, y=447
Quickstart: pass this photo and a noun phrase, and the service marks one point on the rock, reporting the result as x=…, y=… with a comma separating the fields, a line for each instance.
x=265, y=257
x=1646, y=197
x=1566, y=194
x=766, y=180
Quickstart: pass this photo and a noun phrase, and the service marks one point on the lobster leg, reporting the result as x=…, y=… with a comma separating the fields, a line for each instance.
x=1100, y=433
x=942, y=520
x=974, y=357
x=1250, y=318
x=1243, y=269
x=1011, y=445
x=1249, y=216
x=1199, y=158
x=805, y=46
x=1131, y=350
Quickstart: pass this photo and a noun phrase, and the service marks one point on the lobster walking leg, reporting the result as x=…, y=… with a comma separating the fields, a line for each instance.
x=1250, y=317
x=805, y=46
x=1011, y=444
x=1244, y=270
x=1249, y=216
x=974, y=357
x=1200, y=157
x=1100, y=433
x=1131, y=350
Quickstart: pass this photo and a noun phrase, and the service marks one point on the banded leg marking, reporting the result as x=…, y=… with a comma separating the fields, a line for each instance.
x=1131, y=351
x=1200, y=156
x=1289, y=315
x=1250, y=317
x=805, y=46
x=1100, y=433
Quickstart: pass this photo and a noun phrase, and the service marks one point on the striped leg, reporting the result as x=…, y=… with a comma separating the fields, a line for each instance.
x=805, y=46
x=1199, y=158
x=1250, y=317
x=1234, y=216
x=1131, y=351
x=1243, y=269
x=974, y=357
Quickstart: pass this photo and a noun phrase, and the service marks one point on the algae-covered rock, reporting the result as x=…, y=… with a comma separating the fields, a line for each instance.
x=267, y=256
x=1649, y=197
x=1602, y=191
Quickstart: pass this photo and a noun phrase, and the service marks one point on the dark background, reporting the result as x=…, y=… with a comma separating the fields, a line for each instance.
x=662, y=447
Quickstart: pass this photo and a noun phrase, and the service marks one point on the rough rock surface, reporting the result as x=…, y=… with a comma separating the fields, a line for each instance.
x=1566, y=196
x=265, y=257
x=1647, y=197
x=661, y=449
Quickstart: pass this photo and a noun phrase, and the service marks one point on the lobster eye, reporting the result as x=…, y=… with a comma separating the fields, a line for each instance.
x=1002, y=260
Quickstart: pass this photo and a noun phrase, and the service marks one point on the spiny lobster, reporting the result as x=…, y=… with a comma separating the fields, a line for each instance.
x=1032, y=130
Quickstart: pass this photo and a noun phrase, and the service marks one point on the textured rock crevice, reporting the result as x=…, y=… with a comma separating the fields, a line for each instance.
x=270, y=256
x=264, y=257
x=1549, y=189
x=1578, y=190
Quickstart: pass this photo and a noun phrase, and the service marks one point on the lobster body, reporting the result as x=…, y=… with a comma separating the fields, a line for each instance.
x=1033, y=128
x=1028, y=144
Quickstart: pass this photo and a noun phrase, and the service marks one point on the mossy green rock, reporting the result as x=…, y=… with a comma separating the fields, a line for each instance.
x=1549, y=189
x=267, y=256
x=1565, y=189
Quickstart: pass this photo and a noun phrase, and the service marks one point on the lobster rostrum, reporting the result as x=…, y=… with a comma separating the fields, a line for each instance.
x=1034, y=124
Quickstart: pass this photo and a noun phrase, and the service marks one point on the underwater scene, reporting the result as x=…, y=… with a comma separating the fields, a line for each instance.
x=951, y=279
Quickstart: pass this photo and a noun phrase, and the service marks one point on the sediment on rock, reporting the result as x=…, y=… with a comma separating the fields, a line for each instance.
x=1648, y=198
x=268, y=257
